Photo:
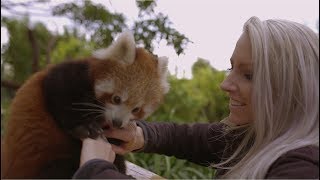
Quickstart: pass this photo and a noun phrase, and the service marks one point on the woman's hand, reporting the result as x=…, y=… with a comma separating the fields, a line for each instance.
x=96, y=149
x=131, y=135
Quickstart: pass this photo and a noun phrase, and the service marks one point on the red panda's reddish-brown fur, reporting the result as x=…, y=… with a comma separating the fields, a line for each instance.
x=31, y=130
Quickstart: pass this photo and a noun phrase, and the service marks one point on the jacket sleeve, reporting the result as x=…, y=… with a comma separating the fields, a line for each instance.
x=302, y=163
x=201, y=143
x=99, y=169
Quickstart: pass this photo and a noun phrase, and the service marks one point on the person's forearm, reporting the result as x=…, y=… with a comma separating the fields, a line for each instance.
x=200, y=143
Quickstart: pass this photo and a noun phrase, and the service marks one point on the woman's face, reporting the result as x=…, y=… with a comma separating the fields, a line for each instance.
x=238, y=83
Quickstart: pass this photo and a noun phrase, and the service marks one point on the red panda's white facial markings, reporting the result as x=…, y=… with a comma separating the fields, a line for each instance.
x=148, y=109
x=124, y=95
x=119, y=106
x=104, y=86
x=119, y=113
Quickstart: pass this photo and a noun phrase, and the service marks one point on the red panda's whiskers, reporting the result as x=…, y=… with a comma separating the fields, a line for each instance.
x=90, y=104
x=92, y=109
x=99, y=113
x=97, y=116
x=99, y=101
x=95, y=99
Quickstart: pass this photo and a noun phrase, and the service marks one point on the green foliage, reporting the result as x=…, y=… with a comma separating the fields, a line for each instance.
x=6, y=97
x=18, y=70
x=71, y=48
x=207, y=80
x=199, y=99
x=146, y=6
x=94, y=18
x=104, y=26
x=170, y=167
x=157, y=26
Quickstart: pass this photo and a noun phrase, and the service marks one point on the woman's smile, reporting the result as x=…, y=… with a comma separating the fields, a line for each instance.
x=234, y=102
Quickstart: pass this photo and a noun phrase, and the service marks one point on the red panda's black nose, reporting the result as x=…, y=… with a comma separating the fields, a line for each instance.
x=116, y=123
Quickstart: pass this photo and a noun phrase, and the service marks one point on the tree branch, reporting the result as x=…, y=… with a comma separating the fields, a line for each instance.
x=10, y=85
x=35, y=51
x=49, y=49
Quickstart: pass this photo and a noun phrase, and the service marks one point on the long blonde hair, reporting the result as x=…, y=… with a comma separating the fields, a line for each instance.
x=285, y=95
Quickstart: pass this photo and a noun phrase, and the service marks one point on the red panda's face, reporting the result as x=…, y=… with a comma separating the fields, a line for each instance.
x=132, y=89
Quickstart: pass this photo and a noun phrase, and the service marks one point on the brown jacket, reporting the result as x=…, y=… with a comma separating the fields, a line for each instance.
x=203, y=144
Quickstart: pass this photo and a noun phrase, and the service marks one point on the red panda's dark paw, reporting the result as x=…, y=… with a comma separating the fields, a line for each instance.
x=91, y=130
x=95, y=130
x=80, y=132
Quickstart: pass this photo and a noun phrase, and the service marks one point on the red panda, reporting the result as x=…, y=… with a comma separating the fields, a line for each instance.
x=75, y=99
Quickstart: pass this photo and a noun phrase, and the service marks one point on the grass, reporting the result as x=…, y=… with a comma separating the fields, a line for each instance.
x=171, y=167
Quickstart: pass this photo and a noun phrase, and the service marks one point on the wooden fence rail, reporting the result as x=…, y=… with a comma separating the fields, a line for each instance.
x=140, y=173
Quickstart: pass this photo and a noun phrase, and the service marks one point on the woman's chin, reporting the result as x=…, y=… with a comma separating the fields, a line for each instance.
x=238, y=121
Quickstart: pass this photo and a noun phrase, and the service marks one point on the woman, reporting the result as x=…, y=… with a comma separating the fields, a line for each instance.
x=272, y=130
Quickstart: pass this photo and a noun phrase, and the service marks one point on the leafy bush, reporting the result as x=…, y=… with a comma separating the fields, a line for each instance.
x=170, y=167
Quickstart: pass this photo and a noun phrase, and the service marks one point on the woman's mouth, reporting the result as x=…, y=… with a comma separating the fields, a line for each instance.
x=236, y=103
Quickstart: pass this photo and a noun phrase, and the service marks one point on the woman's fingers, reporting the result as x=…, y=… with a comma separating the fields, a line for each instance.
x=126, y=134
x=118, y=134
x=131, y=135
x=118, y=149
x=96, y=149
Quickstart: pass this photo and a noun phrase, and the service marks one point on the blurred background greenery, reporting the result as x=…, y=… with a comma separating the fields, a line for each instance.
x=32, y=46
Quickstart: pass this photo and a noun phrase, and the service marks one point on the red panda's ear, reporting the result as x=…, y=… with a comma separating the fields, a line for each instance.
x=123, y=49
x=163, y=72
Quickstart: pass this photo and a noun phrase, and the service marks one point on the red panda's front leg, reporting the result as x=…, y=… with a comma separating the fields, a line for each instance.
x=92, y=130
x=69, y=98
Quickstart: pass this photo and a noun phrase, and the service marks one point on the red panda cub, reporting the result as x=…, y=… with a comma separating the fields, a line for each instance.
x=77, y=99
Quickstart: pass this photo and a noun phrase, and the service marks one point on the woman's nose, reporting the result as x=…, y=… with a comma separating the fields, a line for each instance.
x=228, y=85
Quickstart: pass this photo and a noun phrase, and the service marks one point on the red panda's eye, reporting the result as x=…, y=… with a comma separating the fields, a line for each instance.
x=135, y=110
x=116, y=100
